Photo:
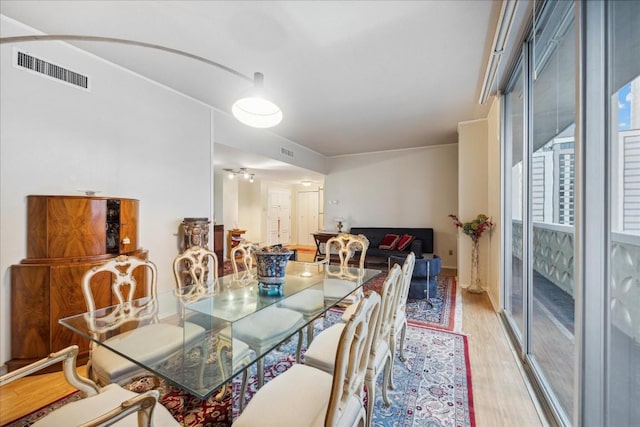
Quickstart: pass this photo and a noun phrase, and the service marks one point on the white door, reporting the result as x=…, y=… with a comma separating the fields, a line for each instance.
x=307, y=217
x=278, y=216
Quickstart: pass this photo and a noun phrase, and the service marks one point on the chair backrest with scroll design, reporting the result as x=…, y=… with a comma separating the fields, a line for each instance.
x=98, y=406
x=196, y=270
x=352, y=358
x=123, y=287
x=348, y=247
x=390, y=291
x=244, y=254
x=405, y=281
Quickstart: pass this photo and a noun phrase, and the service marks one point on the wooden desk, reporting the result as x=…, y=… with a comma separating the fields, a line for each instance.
x=320, y=239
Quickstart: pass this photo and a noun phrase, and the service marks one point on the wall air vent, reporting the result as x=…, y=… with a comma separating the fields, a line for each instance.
x=30, y=62
x=286, y=152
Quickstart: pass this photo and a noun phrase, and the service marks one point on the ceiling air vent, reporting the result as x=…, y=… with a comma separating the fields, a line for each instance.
x=24, y=60
x=286, y=152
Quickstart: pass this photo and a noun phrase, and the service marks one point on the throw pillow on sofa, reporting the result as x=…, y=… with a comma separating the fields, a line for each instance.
x=404, y=242
x=389, y=242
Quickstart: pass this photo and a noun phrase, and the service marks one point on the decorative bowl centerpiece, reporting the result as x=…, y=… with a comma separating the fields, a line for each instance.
x=271, y=263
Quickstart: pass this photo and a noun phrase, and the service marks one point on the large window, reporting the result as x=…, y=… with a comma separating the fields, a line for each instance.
x=514, y=113
x=552, y=164
x=624, y=204
x=572, y=247
x=540, y=183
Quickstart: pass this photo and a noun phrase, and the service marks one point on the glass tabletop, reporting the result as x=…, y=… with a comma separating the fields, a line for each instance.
x=222, y=329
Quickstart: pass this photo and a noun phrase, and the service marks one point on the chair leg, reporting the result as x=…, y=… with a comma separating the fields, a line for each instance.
x=402, y=337
x=371, y=398
x=310, y=333
x=385, y=380
x=260, y=368
x=204, y=355
x=392, y=346
x=243, y=388
x=299, y=348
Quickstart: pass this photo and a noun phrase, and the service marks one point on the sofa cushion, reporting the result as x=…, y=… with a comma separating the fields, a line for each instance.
x=389, y=242
x=423, y=242
x=404, y=242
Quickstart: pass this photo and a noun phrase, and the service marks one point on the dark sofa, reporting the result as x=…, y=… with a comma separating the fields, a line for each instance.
x=423, y=242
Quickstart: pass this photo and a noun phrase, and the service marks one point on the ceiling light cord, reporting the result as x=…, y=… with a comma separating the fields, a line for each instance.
x=253, y=110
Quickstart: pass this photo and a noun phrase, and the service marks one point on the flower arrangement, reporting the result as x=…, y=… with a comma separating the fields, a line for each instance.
x=474, y=228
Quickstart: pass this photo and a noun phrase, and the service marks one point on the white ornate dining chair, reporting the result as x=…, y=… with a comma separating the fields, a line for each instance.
x=196, y=266
x=268, y=327
x=306, y=396
x=195, y=263
x=321, y=354
x=232, y=355
x=151, y=341
x=400, y=315
x=310, y=303
x=100, y=406
x=243, y=254
x=265, y=329
x=350, y=250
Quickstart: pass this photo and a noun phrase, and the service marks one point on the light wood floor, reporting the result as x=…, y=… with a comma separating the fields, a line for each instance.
x=499, y=389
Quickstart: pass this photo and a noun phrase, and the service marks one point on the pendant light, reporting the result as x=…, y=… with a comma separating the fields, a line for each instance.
x=254, y=109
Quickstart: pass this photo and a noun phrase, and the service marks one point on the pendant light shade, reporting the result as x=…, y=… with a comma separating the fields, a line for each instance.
x=255, y=110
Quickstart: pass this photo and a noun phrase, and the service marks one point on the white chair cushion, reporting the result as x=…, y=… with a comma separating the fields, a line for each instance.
x=297, y=397
x=267, y=326
x=308, y=302
x=322, y=352
x=336, y=289
x=148, y=344
x=240, y=352
x=110, y=397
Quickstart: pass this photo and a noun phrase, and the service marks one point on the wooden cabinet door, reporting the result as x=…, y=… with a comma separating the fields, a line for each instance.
x=29, y=312
x=76, y=227
x=128, y=225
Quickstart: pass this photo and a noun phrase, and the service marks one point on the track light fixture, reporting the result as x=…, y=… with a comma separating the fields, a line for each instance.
x=231, y=173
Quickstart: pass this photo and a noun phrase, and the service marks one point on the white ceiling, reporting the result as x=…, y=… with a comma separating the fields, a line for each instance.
x=350, y=76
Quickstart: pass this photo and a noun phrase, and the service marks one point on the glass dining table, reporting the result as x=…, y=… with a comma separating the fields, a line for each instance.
x=228, y=309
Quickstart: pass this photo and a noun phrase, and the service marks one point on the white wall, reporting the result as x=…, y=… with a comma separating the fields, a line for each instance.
x=472, y=194
x=250, y=210
x=231, y=132
x=126, y=137
x=230, y=210
x=403, y=188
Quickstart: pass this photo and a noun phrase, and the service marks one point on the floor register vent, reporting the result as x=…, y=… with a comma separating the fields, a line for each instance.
x=24, y=60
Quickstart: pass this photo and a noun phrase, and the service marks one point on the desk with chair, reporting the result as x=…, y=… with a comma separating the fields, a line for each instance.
x=321, y=238
x=222, y=313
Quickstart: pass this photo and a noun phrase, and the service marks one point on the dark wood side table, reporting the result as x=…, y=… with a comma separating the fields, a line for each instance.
x=320, y=239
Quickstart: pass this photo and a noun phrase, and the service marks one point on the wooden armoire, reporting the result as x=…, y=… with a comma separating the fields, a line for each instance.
x=66, y=236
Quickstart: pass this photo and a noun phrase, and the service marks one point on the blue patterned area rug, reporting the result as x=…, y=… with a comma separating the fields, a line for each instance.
x=433, y=386
x=444, y=310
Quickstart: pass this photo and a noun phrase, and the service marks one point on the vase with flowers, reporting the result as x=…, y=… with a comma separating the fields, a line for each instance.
x=474, y=230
